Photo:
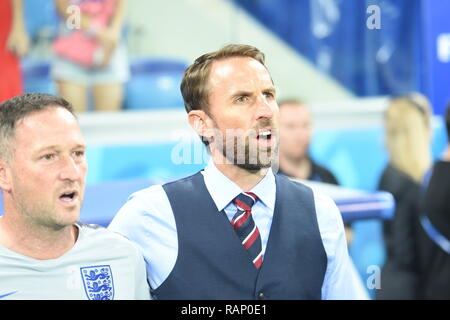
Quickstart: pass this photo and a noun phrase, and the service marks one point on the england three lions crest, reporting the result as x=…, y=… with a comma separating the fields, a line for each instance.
x=98, y=282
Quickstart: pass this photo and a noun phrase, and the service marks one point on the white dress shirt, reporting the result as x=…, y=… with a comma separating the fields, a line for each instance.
x=148, y=220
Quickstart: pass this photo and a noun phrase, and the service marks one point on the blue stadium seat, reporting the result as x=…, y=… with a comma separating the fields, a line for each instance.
x=103, y=200
x=41, y=17
x=154, y=84
x=36, y=76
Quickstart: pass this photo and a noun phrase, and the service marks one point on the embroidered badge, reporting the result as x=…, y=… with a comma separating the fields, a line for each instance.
x=98, y=282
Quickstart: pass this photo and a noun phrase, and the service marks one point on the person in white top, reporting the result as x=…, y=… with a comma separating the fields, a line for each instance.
x=44, y=253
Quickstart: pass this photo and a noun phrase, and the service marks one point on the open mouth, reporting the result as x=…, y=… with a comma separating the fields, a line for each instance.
x=264, y=134
x=69, y=196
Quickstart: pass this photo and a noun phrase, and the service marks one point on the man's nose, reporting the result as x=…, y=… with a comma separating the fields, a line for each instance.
x=264, y=108
x=71, y=169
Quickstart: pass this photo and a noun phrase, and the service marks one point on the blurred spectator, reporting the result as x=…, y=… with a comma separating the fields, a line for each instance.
x=295, y=138
x=14, y=44
x=434, y=235
x=90, y=52
x=295, y=161
x=408, y=139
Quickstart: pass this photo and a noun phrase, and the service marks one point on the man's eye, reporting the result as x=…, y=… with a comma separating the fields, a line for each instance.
x=48, y=156
x=241, y=99
x=79, y=154
x=269, y=95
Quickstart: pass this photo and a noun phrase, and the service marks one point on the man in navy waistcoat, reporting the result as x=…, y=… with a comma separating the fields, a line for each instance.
x=235, y=230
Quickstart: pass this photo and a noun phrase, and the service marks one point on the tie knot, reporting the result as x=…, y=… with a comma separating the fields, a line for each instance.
x=245, y=200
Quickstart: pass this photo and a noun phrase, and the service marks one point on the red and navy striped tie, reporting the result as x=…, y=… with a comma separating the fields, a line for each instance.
x=245, y=227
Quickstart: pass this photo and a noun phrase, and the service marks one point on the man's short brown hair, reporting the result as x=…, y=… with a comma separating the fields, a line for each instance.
x=194, y=86
x=17, y=108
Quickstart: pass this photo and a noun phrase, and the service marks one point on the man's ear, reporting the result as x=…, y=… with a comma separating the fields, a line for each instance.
x=201, y=123
x=5, y=176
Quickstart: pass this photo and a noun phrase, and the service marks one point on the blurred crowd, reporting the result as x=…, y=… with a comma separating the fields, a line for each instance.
x=89, y=51
x=418, y=258
x=417, y=263
x=90, y=54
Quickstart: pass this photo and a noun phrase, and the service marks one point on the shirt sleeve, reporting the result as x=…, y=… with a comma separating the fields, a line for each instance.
x=341, y=281
x=147, y=220
x=141, y=284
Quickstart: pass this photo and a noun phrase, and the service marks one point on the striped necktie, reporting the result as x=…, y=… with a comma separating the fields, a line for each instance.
x=245, y=227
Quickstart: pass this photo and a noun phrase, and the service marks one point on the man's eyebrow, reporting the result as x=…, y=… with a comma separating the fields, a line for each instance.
x=55, y=147
x=249, y=93
x=241, y=93
x=270, y=89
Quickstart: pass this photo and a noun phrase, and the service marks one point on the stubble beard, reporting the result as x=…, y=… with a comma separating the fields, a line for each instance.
x=241, y=148
x=44, y=215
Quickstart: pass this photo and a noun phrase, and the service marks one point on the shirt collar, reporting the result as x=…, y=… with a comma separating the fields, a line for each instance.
x=224, y=190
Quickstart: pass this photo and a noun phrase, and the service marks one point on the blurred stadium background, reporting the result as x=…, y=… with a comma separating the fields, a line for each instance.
x=320, y=51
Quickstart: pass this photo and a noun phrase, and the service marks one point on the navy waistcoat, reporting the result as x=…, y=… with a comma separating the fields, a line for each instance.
x=212, y=263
